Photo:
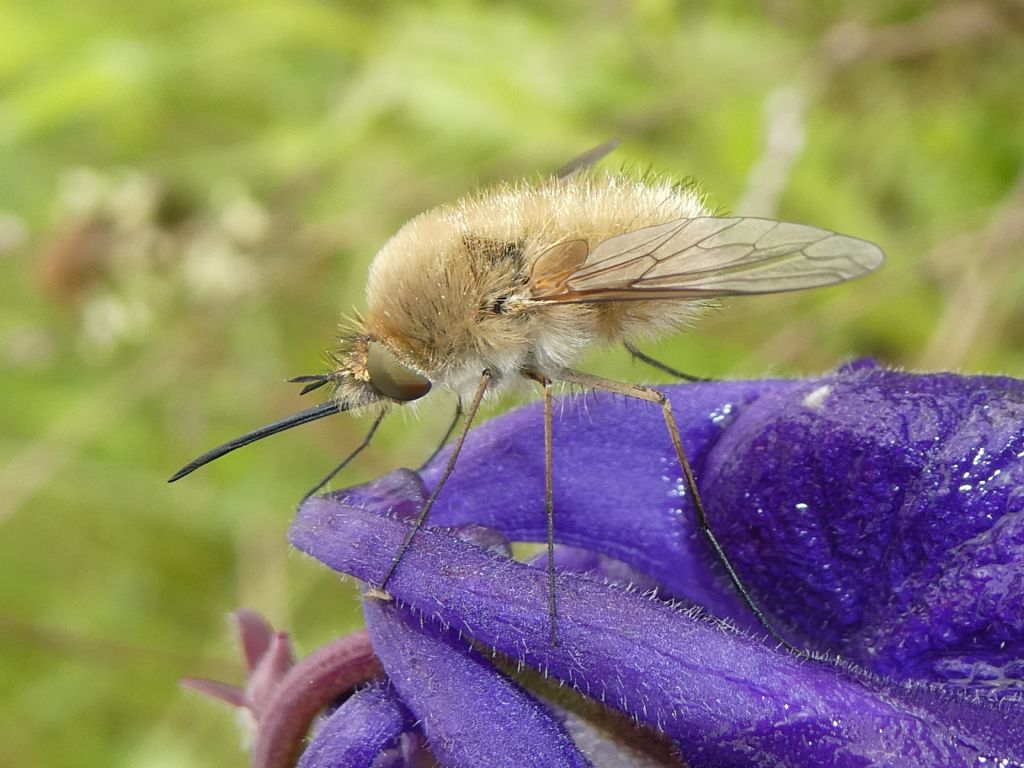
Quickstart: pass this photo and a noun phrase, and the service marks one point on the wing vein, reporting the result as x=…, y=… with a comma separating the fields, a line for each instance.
x=709, y=256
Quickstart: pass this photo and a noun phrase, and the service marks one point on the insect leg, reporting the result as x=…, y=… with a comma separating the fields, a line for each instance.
x=447, y=434
x=345, y=462
x=658, y=398
x=549, y=501
x=485, y=379
x=643, y=358
x=549, y=509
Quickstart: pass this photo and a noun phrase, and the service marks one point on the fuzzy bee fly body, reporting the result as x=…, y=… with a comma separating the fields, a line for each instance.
x=519, y=281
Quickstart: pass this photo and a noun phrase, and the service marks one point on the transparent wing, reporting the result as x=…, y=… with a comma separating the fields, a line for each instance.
x=707, y=257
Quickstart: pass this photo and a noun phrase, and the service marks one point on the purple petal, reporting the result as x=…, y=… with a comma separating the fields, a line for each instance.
x=725, y=698
x=610, y=455
x=255, y=634
x=873, y=513
x=617, y=485
x=307, y=689
x=471, y=714
x=269, y=672
x=230, y=694
x=370, y=721
x=882, y=514
x=589, y=563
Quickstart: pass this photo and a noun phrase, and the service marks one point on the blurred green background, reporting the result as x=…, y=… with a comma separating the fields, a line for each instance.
x=190, y=193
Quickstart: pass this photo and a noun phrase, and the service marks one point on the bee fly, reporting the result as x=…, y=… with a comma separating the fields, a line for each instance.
x=520, y=280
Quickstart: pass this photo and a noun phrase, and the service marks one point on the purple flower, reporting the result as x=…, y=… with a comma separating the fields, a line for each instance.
x=877, y=517
x=281, y=698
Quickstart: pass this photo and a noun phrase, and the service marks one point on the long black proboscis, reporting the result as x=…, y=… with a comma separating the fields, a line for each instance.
x=296, y=419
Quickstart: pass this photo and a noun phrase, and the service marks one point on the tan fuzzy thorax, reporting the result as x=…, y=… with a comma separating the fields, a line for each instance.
x=448, y=293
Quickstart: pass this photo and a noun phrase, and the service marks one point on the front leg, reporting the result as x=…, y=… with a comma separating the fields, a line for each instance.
x=380, y=591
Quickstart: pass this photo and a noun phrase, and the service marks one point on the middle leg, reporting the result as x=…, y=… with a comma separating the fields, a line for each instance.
x=549, y=499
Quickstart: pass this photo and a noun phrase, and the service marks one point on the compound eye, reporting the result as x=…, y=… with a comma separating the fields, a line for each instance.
x=392, y=379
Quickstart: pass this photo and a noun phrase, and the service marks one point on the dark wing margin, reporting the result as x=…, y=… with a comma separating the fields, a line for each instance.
x=557, y=264
x=585, y=160
x=710, y=256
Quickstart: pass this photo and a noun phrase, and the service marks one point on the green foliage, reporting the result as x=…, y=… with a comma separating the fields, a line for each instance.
x=190, y=193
